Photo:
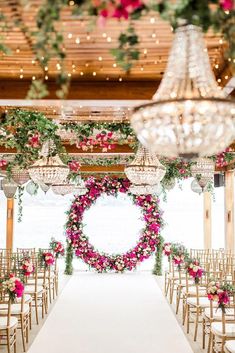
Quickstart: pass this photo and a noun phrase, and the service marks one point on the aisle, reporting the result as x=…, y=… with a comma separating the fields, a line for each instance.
x=111, y=313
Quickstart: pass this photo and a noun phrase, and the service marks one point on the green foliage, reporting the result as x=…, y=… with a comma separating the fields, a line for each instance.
x=157, y=270
x=127, y=51
x=18, y=126
x=69, y=260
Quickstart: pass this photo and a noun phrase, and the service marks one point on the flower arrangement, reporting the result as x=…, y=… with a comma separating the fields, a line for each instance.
x=47, y=258
x=13, y=286
x=220, y=293
x=26, y=266
x=194, y=269
x=80, y=244
x=167, y=249
x=57, y=247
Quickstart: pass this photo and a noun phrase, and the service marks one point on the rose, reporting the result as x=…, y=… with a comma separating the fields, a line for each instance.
x=3, y=163
x=227, y=5
x=34, y=141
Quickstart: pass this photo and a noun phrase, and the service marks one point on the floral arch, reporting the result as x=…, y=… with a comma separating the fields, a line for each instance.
x=78, y=242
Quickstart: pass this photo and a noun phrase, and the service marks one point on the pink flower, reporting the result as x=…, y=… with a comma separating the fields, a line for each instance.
x=227, y=5
x=34, y=141
x=74, y=166
x=19, y=288
x=3, y=163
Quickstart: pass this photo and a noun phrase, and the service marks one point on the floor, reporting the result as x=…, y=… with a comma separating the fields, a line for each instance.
x=111, y=313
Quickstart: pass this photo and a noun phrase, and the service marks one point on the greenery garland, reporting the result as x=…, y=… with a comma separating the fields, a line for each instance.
x=157, y=270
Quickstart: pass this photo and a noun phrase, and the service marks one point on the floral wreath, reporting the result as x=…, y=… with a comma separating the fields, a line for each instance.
x=78, y=242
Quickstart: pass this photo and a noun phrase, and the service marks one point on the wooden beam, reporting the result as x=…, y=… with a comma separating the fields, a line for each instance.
x=17, y=89
x=207, y=219
x=229, y=210
x=10, y=224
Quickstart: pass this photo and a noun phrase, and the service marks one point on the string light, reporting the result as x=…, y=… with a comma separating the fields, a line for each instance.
x=152, y=20
x=100, y=58
x=104, y=35
x=33, y=78
x=77, y=41
x=70, y=35
x=109, y=39
x=81, y=73
x=94, y=73
x=114, y=65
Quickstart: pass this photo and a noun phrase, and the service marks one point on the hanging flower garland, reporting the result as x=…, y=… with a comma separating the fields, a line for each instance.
x=78, y=242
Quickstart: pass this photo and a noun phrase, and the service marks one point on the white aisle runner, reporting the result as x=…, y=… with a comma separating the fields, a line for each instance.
x=111, y=313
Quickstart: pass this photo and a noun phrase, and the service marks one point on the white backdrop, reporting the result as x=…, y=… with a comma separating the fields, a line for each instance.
x=114, y=225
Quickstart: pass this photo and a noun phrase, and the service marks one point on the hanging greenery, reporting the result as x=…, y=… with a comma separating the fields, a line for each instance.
x=157, y=270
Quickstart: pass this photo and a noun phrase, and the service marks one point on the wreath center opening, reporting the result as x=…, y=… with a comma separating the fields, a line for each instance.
x=118, y=223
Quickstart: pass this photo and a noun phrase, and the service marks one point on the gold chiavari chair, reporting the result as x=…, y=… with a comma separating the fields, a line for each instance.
x=37, y=291
x=229, y=346
x=8, y=327
x=223, y=331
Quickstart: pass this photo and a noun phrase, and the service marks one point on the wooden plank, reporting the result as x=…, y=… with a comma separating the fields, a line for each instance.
x=229, y=210
x=207, y=220
x=10, y=224
x=17, y=89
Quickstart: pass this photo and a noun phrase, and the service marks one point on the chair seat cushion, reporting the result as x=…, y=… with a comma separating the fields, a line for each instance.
x=3, y=322
x=216, y=328
x=192, y=291
x=16, y=308
x=31, y=289
x=27, y=298
x=217, y=313
x=32, y=282
x=230, y=346
x=203, y=302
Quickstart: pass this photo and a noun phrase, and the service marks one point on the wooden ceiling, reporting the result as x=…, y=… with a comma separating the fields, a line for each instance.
x=88, y=52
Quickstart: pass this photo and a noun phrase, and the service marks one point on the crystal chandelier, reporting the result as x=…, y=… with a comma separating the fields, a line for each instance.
x=80, y=188
x=203, y=171
x=195, y=187
x=20, y=176
x=49, y=169
x=9, y=187
x=169, y=184
x=63, y=189
x=31, y=188
x=189, y=115
x=145, y=169
x=44, y=187
x=145, y=189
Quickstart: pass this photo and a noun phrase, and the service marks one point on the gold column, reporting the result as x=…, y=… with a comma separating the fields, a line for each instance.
x=207, y=219
x=10, y=224
x=229, y=210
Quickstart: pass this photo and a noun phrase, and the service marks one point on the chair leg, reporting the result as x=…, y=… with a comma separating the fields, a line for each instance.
x=203, y=333
x=22, y=322
x=178, y=299
x=8, y=341
x=36, y=308
x=188, y=317
x=196, y=324
x=209, y=343
x=15, y=340
x=172, y=292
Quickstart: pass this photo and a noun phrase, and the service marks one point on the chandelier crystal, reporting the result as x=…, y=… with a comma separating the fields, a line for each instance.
x=189, y=115
x=145, y=189
x=203, y=171
x=9, y=187
x=49, y=169
x=80, y=188
x=20, y=176
x=63, y=189
x=145, y=169
x=195, y=187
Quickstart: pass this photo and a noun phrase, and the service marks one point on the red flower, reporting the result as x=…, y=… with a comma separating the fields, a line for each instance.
x=227, y=5
x=74, y=166
x=34, y=141
x=3, y=163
